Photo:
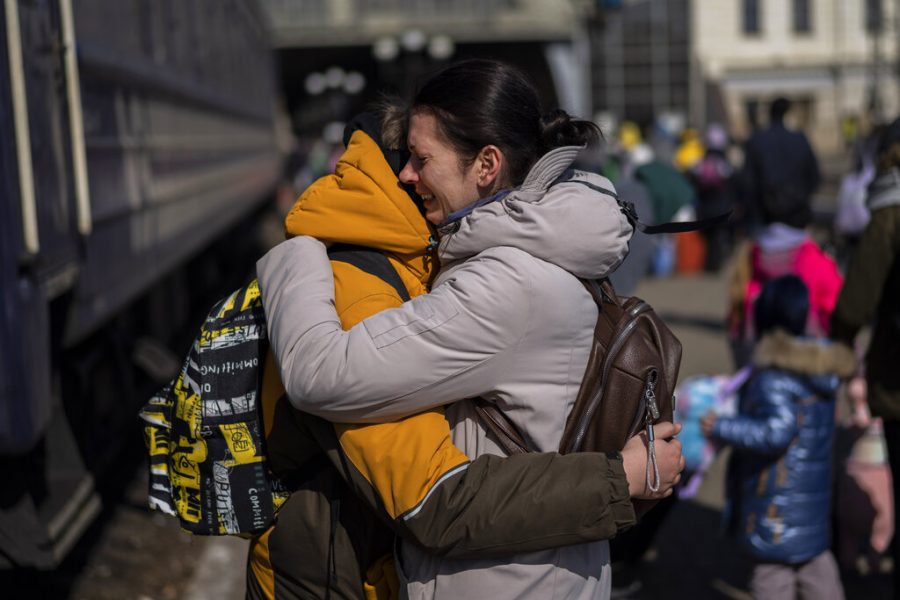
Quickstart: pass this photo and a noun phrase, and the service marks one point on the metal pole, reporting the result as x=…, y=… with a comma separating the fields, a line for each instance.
x=20, y=121
x=76, y=119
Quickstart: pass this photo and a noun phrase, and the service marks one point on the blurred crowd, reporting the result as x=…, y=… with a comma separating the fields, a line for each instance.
x=810, y=412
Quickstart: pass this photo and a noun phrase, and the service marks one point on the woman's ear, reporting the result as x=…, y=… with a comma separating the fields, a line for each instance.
x=490, y=168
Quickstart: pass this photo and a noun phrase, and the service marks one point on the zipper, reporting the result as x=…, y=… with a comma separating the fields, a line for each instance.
x=633, y=313
x=648, y=402
x=649, y=417
x=650, y=394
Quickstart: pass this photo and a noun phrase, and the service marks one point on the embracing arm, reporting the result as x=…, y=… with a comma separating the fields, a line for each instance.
x=410, y=472
x=435, y=349
x=434, y=496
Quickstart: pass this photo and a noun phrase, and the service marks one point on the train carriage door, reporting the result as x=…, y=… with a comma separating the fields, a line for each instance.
x=52, y=255
x=46, y=487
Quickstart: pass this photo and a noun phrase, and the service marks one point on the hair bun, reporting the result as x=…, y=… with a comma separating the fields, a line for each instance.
x=558, y=128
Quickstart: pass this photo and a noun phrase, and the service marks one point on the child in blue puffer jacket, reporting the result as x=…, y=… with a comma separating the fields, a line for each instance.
x=779, y=477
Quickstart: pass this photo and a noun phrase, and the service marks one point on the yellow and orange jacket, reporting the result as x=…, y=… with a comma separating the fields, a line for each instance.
x=355, y=486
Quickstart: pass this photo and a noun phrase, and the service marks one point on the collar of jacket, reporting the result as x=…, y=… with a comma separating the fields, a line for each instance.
x=541, y=176
x=448, y=226
x=363, y=203
x=808, y=356
x=885, y=190
x=549, y=168
x=778, y=237
x=579, y=228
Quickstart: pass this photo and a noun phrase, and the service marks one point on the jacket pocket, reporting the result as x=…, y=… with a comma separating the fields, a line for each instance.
x=415, y=318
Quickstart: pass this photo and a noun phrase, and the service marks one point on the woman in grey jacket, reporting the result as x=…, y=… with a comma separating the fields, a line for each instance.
x=507, y=319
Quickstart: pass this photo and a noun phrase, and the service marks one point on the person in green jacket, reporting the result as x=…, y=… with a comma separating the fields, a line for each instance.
x=872, y=291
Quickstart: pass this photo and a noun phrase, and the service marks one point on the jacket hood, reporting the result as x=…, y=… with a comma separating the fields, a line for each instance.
x=566, y=217
x=820, y=360
x=362, y=203
x=885, y=190
x=778, y=237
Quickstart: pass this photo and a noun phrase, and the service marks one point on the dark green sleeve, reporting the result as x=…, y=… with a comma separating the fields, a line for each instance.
x=495, y=506
x=866, y=277
x=522, y=503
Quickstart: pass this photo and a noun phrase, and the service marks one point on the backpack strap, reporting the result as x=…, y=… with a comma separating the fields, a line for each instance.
x=508, y=435
x=631, y=215
x=501, y=426
x=506, y=432
x=373, y=262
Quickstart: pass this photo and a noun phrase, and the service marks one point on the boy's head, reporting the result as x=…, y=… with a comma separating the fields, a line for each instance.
x=783, y=303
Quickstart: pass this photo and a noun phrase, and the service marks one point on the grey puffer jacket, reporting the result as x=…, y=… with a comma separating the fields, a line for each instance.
x=505, y=320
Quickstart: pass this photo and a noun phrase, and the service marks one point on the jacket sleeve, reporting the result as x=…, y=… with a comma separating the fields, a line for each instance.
x=522, y=503
x=411, y=473
x=436, y=349
x=865, y=281
x=773, y=423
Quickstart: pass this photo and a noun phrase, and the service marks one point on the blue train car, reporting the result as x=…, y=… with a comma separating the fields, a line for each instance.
x=134, y=136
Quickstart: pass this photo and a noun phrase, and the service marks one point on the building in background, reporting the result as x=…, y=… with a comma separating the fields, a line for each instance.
x=837, y=60
x=337, y=54
x=641, y=56
x=675, y=62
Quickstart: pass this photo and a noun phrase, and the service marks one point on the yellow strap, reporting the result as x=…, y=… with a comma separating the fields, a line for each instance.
x=382, y=582
x=261, y=565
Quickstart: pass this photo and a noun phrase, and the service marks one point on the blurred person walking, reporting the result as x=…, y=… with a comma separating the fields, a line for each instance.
x=712, y=177
x=672, y=197
x=779, y=474
x=852, y=214
x=690, y=150
x=616, y=166
x=872, y=293
x=781, y=246
x=780, y=171
x=669, y=189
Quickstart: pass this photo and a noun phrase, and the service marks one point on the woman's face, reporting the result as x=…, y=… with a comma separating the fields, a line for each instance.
x=436, y=172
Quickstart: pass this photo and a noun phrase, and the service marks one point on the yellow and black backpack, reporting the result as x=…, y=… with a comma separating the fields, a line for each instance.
x=204, y=430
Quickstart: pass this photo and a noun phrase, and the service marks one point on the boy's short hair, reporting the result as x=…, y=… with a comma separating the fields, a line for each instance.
x=783, y=303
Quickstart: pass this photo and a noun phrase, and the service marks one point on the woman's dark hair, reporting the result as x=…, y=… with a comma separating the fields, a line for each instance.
x=783, y=303
x=481, y=102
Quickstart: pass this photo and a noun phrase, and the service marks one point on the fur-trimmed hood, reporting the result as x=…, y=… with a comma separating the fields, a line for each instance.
x=805, y=356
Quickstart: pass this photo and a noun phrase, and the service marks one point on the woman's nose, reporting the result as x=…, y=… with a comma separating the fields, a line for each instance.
x=408, y=173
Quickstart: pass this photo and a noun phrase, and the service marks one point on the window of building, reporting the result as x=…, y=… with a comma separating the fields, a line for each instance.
x=802, y=16
x=750, y=17
x=874, y=16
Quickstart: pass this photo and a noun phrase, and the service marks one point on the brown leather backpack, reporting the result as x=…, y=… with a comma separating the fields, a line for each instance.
x=628, y=384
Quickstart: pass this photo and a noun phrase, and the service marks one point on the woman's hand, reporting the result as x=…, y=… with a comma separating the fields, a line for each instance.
x=668, y=458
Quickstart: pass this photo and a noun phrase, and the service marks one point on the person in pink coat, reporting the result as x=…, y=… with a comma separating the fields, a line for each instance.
x=783, y=247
